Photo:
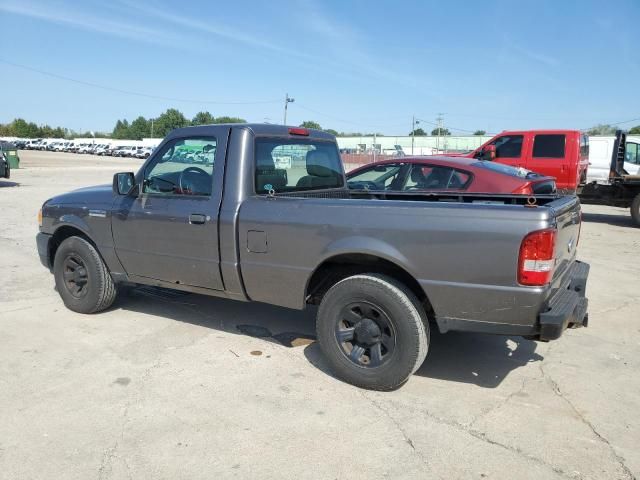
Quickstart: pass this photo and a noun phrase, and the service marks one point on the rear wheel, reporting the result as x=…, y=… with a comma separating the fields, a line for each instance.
x=373, y=331
x=82, y=279
x=635, y=210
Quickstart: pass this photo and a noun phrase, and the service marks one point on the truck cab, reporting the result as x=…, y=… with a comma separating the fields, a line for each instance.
x=563, y=154
x=600, y=151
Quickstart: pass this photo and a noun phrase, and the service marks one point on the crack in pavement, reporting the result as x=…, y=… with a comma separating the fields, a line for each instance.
x=476, y=434
x=495, y=408
x=399, y=427
x=556, y=389
x=104, y=471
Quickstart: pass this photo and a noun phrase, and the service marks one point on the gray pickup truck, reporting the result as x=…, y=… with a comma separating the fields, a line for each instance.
x=263, y=213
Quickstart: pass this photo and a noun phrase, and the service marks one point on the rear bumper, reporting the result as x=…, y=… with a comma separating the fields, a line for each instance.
x=546, y=319
x=567, y=307
x=42, y=241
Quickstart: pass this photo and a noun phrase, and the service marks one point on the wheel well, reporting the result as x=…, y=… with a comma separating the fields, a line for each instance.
x=60, y=235
x=337, y=268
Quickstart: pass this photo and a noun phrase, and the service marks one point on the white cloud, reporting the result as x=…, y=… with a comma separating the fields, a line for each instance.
x=59, y=14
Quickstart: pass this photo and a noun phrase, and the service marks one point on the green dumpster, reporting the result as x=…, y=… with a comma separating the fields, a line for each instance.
x=11, y=153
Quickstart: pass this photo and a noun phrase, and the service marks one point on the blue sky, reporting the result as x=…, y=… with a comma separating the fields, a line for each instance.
x=350, y=65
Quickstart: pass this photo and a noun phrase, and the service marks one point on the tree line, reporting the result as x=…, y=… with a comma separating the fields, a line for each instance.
x=172, y=118
x=23, y=129
x=159, y=127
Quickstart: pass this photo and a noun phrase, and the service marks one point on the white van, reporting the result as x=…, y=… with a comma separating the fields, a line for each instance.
x=600, y=151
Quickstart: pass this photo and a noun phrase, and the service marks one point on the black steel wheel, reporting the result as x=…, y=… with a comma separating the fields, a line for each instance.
x=373, y=331
x=82, y=278
x=75, y=275
x=365, y=334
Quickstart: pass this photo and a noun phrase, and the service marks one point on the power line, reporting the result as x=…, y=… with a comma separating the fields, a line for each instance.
x=129, y=92
x=612, y=124
x=446, y=126
x=341, y=120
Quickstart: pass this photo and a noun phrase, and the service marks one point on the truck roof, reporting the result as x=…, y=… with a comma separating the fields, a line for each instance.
x=259, y=129
x=542, y=131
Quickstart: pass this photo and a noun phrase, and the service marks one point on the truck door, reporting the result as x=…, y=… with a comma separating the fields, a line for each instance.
x=169, y=230
x=509, y=149
x=632, y=158
x=549, y=156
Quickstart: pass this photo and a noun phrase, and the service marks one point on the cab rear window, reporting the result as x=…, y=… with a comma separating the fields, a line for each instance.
x=292, y=165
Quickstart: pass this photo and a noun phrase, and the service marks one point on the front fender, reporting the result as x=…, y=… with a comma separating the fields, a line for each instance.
x=95, y=224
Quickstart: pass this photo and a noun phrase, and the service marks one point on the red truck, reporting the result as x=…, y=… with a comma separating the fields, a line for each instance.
x=563, y=154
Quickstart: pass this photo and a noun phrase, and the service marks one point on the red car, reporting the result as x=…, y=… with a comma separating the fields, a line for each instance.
x=435, y=173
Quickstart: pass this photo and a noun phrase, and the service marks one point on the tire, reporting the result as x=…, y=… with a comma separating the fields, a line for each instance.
x=82, y=279
x=372, y=312
x=635, y=210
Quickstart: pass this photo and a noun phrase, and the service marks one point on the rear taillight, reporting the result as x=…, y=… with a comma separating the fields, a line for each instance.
x=536, y=260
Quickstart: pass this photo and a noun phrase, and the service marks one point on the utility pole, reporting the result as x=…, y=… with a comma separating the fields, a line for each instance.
x=287, y=101
x=439, y=120
x=374, y=147
x=152, y=128
x=414, y=122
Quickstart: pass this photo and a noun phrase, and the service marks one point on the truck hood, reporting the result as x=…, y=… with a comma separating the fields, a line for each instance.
x=98, y=195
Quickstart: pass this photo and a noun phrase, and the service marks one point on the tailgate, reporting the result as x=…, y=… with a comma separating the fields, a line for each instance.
x=567, y=215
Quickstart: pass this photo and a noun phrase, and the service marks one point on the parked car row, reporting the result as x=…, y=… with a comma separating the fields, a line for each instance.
x=135, y=151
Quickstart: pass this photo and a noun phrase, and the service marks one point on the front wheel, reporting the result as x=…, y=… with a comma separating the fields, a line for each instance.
x=82, y=279
x=373, y=331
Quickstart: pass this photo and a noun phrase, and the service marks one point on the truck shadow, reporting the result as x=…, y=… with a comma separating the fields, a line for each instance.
x=7, y=183
x=479, y=359
x=619, y=220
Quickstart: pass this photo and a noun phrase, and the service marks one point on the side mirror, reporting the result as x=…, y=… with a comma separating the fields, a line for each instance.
x=123, y=183
x=489, y=153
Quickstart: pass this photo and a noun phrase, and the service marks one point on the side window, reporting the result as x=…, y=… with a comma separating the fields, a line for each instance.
x=584, y=146
x=632, y=154
x=427, y=177
x=291, y=165
x=548, y=146
x=183, y=167
x=508, y=146
x=378, y=177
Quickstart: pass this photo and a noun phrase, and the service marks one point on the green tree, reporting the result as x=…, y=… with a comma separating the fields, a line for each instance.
x=58, y=132
x=602, y=129
x=440, y=131
x=22, y=129
x=635, y=130
x=5, y=130
x=139, y=128
x=202, y=118
x=418, y=132
x=121, y=130
x=229, y=120
x=480, y=132
x=46, y=131
x=311, y=124
x=332, y=132
x=169, y=120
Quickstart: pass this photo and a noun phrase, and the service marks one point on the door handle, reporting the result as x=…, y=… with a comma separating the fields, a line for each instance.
x=197, y=219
